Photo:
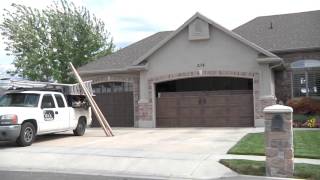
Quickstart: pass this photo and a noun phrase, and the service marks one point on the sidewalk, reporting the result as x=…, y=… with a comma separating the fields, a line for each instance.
x=263, y=158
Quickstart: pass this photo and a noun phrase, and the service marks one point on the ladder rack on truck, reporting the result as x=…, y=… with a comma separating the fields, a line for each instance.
x=66, y=89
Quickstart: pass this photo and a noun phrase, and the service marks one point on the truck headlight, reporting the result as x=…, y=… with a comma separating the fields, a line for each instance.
x=8, y=119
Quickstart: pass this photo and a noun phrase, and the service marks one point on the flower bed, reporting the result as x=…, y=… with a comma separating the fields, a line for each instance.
x=306, y=121
x=306, y=112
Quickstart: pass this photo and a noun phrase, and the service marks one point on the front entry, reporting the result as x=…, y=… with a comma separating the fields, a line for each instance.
x=205, y=102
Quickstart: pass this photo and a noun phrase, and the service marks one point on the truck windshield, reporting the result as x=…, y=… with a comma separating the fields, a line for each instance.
x=19, y=100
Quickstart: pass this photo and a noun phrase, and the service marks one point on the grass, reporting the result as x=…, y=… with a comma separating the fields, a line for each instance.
x=257, y=168
x=306, y=144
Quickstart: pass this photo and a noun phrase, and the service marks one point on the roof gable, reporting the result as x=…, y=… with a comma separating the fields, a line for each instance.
x=203, y=18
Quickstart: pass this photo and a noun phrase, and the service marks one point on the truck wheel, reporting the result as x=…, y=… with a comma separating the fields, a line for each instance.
x=27, y=134
x=81, y=128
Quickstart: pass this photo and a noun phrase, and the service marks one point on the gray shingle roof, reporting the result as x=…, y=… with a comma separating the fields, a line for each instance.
x=283, y=32
x=125, y=57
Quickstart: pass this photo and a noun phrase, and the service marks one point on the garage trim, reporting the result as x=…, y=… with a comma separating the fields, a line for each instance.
x=151, y=103
x=123, y=77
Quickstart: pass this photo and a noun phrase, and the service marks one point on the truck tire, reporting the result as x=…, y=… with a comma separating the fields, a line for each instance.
x=81, y=128
x=27, y=134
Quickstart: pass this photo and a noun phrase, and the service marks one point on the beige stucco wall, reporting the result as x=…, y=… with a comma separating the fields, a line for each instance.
x=220, y=53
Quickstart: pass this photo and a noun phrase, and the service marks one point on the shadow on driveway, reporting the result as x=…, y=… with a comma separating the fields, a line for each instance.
x=39, y=139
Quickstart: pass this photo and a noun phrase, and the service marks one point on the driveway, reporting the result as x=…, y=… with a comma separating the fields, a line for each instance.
x=186, y=153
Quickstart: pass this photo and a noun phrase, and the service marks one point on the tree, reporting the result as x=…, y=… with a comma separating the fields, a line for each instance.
x=45, y=41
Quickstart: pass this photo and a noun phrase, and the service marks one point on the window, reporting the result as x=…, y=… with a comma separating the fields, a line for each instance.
x=59, y=100
x=112, y=87
x=19, y=100
x=47, y=101
x=305, y=78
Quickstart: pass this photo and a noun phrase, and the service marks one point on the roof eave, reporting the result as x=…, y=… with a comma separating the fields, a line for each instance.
x=269, y=60
x=128, y=69
x=279, y=51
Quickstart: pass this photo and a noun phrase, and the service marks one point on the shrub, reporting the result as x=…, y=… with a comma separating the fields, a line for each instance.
x=305, y=105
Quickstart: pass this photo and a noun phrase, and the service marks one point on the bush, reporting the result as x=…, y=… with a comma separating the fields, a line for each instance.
x=306, y=121
x=305, y=105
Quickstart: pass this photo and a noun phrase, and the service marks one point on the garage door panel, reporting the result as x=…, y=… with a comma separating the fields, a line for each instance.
x=168, y=122
x=215, y=100
x=187, y=101
x=167, y=114
x=117, y=108
x=206, y=109
x=214, y=111
x=171, y=100
x=215, y=122
x=186, y=112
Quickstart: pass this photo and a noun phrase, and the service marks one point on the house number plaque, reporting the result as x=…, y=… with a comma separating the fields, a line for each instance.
x=200, y=65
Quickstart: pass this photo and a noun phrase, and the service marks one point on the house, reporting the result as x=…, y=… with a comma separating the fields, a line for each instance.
x=200, y=75
x=296, y=39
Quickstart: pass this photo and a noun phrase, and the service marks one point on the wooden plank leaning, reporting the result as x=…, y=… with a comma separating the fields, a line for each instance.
x=103, y=122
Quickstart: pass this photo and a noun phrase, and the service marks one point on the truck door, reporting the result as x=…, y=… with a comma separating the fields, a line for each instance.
x=63, y=112
x=49, y=120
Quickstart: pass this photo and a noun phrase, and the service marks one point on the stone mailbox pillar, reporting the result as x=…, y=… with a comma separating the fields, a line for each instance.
x=279, y=141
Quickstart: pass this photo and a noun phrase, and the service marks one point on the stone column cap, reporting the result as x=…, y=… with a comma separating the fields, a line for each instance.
x=277, y=108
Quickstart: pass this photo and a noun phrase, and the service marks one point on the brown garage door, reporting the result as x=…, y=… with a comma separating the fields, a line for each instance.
x=225, y=108
x=117, y=107
x=115, y=99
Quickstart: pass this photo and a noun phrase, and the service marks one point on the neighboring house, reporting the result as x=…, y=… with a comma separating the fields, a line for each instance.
x=296, y=39
x=200, y=75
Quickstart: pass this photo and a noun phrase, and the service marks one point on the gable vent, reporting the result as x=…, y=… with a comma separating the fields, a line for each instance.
x=199, y=30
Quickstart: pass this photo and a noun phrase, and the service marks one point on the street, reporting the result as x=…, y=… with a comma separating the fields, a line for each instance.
x=20, y=175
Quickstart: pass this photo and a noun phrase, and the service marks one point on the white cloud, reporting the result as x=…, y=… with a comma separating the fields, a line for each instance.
x=126, y=19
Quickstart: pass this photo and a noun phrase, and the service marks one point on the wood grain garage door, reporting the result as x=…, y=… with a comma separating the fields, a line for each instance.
x=117, y=107
x=226, y=108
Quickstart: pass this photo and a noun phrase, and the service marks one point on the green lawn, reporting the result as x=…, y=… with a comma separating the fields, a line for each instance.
x=257, y=168
x=306, y=144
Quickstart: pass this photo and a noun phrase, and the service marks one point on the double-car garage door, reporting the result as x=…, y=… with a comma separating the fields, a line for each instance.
x=205, y=102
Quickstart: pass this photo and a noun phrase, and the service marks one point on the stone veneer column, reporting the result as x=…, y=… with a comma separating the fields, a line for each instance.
x=279, y=141
x=144, y=111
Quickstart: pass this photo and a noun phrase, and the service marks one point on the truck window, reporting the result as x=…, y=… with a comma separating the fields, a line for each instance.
x=47, y=101
x=19, y=100
x=59, y=100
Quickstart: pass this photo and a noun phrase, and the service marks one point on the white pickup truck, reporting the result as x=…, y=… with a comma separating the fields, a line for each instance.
x=25, y=114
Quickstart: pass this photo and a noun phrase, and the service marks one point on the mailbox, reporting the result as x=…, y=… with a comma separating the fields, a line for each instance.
x=277, y=123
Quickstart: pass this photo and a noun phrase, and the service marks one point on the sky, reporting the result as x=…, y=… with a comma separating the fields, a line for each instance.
x=131, y=20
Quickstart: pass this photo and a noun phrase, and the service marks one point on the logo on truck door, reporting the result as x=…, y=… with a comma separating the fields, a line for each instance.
x=48, y=115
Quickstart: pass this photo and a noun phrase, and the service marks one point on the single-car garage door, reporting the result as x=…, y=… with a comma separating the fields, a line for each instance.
x=115, y=99
x=205, y=102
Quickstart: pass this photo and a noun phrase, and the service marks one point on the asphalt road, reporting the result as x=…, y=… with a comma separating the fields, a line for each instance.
x=20, y=175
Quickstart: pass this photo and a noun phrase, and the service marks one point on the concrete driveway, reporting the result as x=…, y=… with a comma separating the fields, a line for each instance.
x=185, y=153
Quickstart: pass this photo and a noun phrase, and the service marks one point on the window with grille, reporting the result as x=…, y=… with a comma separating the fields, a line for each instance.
x=305, y=78
x=112, y=87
